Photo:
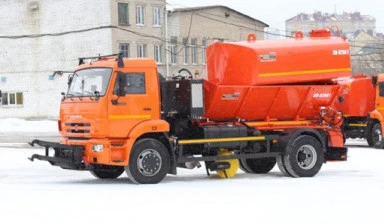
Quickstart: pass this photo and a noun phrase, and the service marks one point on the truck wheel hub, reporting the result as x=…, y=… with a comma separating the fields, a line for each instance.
x=306, y=157
x=149, y=162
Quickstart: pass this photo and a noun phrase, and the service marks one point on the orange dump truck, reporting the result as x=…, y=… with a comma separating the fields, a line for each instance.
x=264, y=102
x=363, y=108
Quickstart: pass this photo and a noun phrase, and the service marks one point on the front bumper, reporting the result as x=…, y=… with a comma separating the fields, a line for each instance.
x=65, y=156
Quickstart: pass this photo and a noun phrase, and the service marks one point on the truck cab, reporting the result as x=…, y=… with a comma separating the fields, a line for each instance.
x=110, y=103
x=363, y=108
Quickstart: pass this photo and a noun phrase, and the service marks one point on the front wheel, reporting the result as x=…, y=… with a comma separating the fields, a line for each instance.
x=149, y=162
x=377, y=136
x=304, y=157
x=108, y=172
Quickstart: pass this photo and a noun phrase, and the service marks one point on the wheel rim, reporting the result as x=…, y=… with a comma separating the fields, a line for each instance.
x=149, y=162
x=306, y=157
x=377, y=137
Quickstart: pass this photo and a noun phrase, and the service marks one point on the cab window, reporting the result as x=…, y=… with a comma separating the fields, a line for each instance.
x=134, y=83
x=381, y=89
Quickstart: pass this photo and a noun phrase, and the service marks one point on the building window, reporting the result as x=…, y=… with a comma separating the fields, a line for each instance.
x=124, y=49
x=141, y=50
x=204, y=51
x=185, y=51
x=194, y=51
x=173, y=50
x=157, y=53
x=140, y=15
x=12, y=99
x=156, y=16
x=123, y=13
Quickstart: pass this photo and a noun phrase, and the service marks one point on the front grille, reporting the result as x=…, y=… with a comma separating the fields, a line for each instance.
x=78, y=138
x=78, y=124
x=78, y=131
x=78, y=128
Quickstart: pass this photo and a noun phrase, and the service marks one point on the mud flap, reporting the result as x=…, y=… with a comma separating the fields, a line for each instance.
x=336, y=154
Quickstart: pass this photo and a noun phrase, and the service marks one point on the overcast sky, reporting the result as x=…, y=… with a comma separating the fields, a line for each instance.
x=275, y=12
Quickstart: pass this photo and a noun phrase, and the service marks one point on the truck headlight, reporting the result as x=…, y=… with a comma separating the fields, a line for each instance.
x=97, y=148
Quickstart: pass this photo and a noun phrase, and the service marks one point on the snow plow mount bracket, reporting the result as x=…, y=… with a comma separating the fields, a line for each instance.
x=65, y=156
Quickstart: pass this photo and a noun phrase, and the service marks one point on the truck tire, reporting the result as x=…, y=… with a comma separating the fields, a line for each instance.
x=377, y=136
x=282, y=168
x=149, y=162
x=304, y=157
x=369, y=134
x=369, y=139
x=258, y=165
x=112, y=172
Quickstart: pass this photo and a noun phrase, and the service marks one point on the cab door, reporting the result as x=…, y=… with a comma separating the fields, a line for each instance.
x=138, y=101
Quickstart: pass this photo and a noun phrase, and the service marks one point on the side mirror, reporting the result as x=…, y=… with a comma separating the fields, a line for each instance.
x=121, y=81
x=70, y=78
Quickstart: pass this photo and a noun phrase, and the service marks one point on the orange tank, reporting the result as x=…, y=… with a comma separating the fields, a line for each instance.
x=321, y=57
x=281, y=80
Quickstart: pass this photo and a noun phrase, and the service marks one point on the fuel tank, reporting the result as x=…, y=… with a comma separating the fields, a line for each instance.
x=318, y=58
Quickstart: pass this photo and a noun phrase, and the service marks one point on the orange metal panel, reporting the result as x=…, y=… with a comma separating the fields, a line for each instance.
x=359, y=96
x=264, y=103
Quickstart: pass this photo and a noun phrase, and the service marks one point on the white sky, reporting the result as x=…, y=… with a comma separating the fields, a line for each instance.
x=275, y=12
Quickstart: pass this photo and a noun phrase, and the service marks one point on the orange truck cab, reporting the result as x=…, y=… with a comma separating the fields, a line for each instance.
x=363, y=108
x=120, y=115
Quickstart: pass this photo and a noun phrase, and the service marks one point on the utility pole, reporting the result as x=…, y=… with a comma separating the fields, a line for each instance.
x=166, y=42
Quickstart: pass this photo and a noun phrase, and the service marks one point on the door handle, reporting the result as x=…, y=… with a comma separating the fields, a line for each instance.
x=147, y=108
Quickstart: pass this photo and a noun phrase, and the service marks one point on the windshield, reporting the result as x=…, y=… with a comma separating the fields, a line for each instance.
x=90, y=82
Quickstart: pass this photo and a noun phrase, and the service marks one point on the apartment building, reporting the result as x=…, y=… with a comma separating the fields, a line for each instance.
x=42, y=36
x=347, y=23
x=141, y=28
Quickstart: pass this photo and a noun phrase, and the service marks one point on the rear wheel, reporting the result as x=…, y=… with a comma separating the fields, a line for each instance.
x=281, y=165
x=149, y=162
x=304, y=157
x=377, y=136
x=258, y=165
x=108, y=172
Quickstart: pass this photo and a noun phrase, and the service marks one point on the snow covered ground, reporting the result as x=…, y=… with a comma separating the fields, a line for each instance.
x=35, y=192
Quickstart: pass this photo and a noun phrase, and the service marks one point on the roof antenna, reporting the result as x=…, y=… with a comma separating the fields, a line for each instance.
x=120, y=62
